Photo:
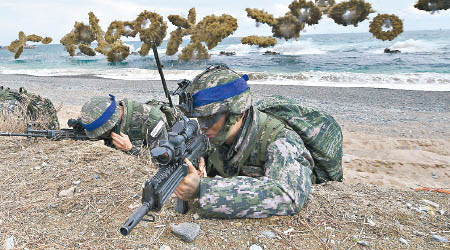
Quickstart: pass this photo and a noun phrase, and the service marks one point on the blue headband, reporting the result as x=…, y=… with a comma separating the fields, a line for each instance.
x=103, y=118
x=221, y=92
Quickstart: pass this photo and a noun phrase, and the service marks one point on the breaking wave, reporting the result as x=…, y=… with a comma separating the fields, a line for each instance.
x=410, y=81
x=415, y=46
x=407, y=81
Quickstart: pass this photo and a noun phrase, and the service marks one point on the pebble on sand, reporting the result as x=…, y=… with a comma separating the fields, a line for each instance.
x=165, y=247
x=255, y=247
x=420, y=234
x=434, y=176
x=404, y=241
x=440, y=238
x=347, y=158
x=9, y=243
x=363, y=243
x=67, y=193
x=268, y=234
x=434, y=204
x=186, y=231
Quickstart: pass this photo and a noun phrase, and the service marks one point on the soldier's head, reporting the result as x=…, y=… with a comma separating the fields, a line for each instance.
x=100, y=115
x=219, y=98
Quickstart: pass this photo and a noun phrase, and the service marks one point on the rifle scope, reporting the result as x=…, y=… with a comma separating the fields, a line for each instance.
x=175, y=149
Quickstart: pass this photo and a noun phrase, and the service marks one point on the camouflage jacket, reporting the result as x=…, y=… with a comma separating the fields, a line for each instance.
x=147, y=123
x=29, y=108
x=247, y=185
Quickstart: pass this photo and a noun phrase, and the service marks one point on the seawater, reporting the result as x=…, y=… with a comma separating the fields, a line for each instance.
x=339, y=60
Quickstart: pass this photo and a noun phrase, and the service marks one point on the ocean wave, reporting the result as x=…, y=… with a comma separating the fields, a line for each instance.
x=50, y=72
x=239, y=49
x=406, y=81
x=146, y=74
x=412, y=81
x=409, y=46
x=415, y=46
x=289, y=48
x=295, y=48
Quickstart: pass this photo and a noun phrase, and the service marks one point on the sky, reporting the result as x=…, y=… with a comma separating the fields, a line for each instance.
x=55, y=18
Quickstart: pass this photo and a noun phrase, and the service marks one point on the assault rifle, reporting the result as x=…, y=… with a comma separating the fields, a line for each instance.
x=75, y=132
x=184, y=141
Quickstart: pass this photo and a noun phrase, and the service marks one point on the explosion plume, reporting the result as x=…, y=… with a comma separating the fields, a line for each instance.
x=391, y=23
x=18, y=45
x=211, y=30
x=350, y=12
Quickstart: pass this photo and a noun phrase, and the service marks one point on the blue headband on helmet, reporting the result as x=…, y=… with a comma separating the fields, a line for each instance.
x=103, y=118
x=221, y=92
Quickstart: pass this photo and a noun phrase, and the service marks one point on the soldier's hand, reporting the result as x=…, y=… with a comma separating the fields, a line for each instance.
x=121, y=142
x=189, y=187
x=202, y=168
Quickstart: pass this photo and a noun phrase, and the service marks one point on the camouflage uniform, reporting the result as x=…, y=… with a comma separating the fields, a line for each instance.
x=30, y=107
x=276, y=184
x=319, y=131
x=261, y=179
x=141, y=119
x=144, y=123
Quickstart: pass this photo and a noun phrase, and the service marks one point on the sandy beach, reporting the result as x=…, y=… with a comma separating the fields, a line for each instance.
x=397, y=140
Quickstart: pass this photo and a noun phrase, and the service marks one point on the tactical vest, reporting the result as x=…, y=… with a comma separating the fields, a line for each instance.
x=268, y=129
x=319, y=131
x=144, y=123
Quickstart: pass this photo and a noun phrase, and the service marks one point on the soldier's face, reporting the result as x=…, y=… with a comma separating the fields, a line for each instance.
x=212, y=125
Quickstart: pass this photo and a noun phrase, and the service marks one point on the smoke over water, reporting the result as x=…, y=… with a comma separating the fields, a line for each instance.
x=337, y=60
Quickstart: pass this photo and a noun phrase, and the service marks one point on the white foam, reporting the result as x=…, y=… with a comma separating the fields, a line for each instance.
x=414, y=46
x=146, y=74
x=410, y=81
x=119, y=74
x=304, y=47
x=294, y=48
x=240, y=49
x=50, y=72
x=413, y=81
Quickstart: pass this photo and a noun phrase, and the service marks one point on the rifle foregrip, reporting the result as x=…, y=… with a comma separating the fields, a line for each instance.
x=182, y=206
x=134, y=219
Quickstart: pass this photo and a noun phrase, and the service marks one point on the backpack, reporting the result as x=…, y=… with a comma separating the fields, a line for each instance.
x=319, y=131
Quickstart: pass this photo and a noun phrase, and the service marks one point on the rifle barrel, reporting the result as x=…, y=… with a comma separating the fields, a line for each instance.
x=53, y=134
x=18, y=134
x=135, y=218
